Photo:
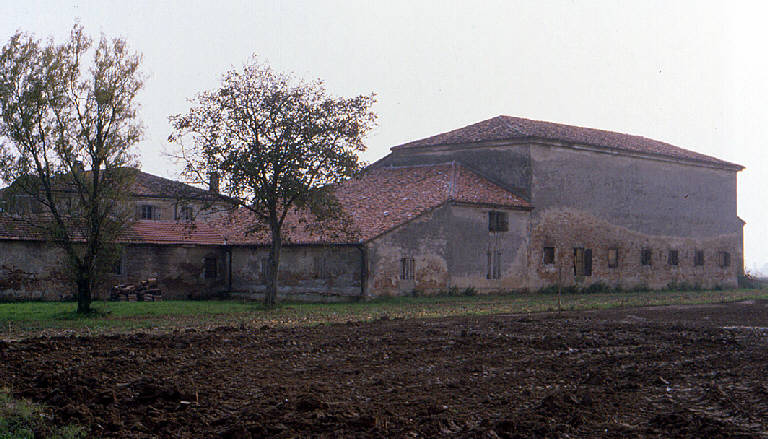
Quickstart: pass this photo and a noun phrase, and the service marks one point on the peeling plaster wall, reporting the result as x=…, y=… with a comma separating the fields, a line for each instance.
x=307, y=273
x=32, y=270
x=37, y=270
x=179, y=269
x=450, y=248
x=601, y=201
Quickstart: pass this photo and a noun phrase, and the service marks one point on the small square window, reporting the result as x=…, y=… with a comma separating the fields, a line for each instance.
x=698, y=258
x=318, y=267
x=673, y=258
x=117, y=266
x=613, y=257
x=407, y=268
x=184, y=213
x=498, y=221
x=724, y=259
x=548, y=256
x=582, y=261
x=646, y=256
x=146, y=212
x=211, y=268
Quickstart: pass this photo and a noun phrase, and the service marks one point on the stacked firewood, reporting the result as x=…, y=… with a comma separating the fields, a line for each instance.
x=145, y=291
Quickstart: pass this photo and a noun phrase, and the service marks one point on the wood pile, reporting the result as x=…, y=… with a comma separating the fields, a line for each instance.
x=145, y=291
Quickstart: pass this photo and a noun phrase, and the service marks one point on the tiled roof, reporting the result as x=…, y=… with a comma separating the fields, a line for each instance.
x=378, y=201
x=511, y=128
x=172, y=232
x=146, y=184
x=17, y=228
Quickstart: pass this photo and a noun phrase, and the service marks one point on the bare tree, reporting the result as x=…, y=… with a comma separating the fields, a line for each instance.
x=66, y=128
x=275, y=143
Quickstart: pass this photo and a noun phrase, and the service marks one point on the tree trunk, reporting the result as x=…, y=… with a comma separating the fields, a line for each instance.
x=270, y=296
x=83, y=293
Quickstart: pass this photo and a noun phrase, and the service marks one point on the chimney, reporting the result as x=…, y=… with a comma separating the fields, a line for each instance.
x=213, y=184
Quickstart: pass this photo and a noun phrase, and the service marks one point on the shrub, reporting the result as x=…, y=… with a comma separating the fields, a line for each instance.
x=597, y=287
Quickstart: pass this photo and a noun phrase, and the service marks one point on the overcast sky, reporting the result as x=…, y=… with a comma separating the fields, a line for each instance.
x=691, y=73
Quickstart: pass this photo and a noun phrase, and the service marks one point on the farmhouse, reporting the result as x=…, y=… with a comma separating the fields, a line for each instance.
x=501, y=205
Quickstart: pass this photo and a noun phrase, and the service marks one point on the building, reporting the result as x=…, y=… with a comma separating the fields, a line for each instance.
x=505, y=204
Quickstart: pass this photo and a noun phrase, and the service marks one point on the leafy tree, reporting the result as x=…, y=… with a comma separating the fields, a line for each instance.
x=66, y=129
x=275, y=143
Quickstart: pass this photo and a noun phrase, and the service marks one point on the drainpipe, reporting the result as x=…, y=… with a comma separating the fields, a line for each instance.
x=363, y=269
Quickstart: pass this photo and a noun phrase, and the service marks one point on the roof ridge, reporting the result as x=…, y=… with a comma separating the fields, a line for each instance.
x=507, y=128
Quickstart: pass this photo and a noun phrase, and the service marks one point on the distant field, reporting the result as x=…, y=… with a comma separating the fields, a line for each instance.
x=44, y=318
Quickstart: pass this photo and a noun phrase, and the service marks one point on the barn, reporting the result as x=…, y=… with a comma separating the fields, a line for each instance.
x=506, y=204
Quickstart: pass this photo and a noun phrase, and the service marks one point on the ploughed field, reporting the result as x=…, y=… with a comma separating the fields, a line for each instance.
x=675, y=371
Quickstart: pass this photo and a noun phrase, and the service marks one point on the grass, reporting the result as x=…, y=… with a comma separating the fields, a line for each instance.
x=55, y=318
x=51, y=318
x=20, y=419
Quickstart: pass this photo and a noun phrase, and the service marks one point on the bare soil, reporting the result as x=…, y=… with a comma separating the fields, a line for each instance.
x=672, y=372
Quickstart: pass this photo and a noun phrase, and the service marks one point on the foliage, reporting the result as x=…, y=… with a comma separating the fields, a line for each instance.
x=275, y=144
x=66, y=129
x=21, y=419
x=455, y=291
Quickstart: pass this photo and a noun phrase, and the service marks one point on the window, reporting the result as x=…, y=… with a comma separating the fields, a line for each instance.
x=498, y=221
x=210, y=268
x=146, y=212
x=265, y=269
x=673, y=258
x=724, y=259
x=117, y=266
x=698, y=258
x=613, y=257
x=407, y=268
x=548, y=256
x=582, y=262
x=319, y=269
x=494, y=264
x=645, y=256
x=184, y=213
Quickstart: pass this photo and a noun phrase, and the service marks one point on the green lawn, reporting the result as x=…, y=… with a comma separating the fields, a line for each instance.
x=51, y=318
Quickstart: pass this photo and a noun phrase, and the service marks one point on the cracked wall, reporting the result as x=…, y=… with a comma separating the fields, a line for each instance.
x=449, y=246
x=317, y=273
x=602, y=201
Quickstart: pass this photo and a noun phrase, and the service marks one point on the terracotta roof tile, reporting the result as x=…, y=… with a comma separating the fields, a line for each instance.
x=17, y=228
x=13, y=227
x=172, y=232
x=510, y=128
x=378, y=201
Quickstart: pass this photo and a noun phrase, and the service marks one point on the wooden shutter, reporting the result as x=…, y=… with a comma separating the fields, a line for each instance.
x=578, y=261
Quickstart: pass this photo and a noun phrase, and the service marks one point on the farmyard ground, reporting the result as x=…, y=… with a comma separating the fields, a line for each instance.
x=673, y=371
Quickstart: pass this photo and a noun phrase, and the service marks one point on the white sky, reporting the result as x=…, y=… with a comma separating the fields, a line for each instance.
x=691, y=73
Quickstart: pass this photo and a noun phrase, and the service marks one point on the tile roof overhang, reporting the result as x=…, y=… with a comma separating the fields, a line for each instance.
x=381, y=200
x=27, y=228
x=374, y=203
x=516, y=129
